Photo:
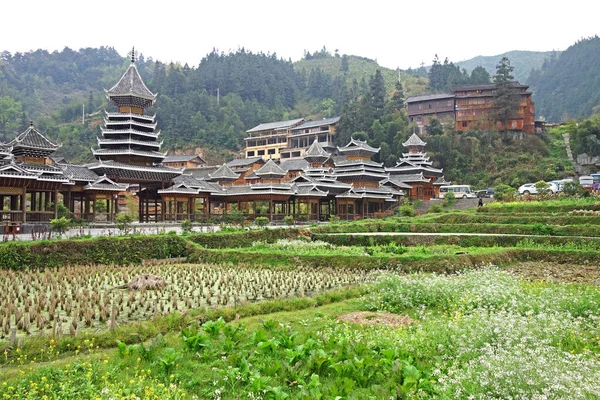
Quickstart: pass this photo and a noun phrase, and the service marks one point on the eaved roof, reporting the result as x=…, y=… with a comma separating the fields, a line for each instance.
x=294, y=165
x=181, y=158
x=270, y=169
x=243, y=162
x=426, y=97
x=318, y=122
x=105, y=184
x=276, y=125
x=79, y=173
x=358, y=145
x=131, y=84
x=33, y=139
x=316, y=152
x=224, y=172
x=414, y=140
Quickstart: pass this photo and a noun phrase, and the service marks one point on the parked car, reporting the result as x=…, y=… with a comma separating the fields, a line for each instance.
x=586, y=181
x=529, y=188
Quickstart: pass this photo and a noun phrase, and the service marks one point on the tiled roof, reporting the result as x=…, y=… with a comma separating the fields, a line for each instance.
x=409, y=178
x=441, y=181
x=224, y=172
x=270, y=169
x=414, y=99
x=103, y=183
x=358, y=146
x=392, y=180
x=276, y=125
x=485, y=86
x=79, y=173
x=32, y=138
x=318, y=122
x=201, y=172
x=128, y=151
x=316, y=152
x=243, y=162
x=293, y=165
x=131, y=84
x=414, y=140
x=181, y=158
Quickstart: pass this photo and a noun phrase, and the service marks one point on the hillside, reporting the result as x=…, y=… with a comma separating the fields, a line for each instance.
x=568, y=86
x=522, y=61
x=361, y=68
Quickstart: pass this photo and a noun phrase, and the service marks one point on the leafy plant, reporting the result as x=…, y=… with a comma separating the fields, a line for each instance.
x=261, y=222
x=168, y=360
x=186, y=226
x=449, y=199
x=124, y=222
x=60, y=225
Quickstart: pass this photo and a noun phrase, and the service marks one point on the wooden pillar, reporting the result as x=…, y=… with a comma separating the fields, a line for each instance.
x=55, y=202
x=24, y=205
x=140, y=205
x=270, y=210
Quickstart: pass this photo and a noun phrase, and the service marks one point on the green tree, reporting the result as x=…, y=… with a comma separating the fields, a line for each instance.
x=10, y=114
x=435, y=127
x=479, y=75
x=506, y=99
x=397, y=100
x=124, y=222
x=377, y=94
x=344, y=67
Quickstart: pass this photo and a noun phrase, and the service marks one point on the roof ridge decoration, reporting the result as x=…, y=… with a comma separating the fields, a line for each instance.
x=414, y=140
x=270, y=168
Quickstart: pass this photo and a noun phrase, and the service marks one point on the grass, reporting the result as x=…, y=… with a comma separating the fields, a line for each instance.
x=462, y=342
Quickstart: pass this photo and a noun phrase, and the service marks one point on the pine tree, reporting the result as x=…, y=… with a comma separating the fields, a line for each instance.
x=506, y=100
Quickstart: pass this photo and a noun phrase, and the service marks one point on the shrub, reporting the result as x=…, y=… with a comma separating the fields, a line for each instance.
x=572, y=188
x=261, y=222
x=504, y=192
x=436, y=208
x=124, y=222
x=60, y=225
x=289, y=220
x=449, y=199
x=334, y=218
x=186, y=226
x=542, y=188
x=406, y=210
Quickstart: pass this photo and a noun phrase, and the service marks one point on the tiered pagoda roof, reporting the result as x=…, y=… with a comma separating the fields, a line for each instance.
x=32, y=143
x=414, y=141
x=358, y=148
x=129, y=150
x=316, y=153
x=131, y=90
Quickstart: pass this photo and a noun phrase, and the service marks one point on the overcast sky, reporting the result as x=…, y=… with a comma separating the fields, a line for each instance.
x=396, y=33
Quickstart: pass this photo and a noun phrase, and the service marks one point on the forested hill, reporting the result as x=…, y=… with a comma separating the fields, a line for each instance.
x=209, y=106
x=568, y=86
x=522, y=61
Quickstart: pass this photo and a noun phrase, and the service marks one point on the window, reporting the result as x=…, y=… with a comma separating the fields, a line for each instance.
x=464, y=124
x=271, y=151
x=250, y=154
x=261, y=153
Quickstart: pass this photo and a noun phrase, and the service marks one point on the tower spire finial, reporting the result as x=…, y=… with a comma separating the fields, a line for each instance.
x=132, y=54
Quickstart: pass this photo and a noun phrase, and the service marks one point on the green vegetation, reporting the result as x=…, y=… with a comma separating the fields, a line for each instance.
x=571, y=74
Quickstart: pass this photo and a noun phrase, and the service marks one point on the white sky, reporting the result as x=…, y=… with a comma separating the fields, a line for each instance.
x=395, y=33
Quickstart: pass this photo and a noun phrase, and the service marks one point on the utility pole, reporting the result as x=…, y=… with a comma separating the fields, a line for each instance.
x=218, y=96
x=83, y=114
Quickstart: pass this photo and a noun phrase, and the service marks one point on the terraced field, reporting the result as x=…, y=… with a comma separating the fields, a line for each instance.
x=350, y=311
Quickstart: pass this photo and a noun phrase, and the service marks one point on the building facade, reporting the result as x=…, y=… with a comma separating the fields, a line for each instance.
x=472, y=107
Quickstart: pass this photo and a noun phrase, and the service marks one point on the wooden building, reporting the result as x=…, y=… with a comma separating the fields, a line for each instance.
x=472, y=107
x=475, y=108
x=303, y=135
x=184, y=161
x=421, y=109
x=129, y=150
x=268, y=139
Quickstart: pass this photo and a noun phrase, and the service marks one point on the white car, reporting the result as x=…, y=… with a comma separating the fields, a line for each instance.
x=529, y=188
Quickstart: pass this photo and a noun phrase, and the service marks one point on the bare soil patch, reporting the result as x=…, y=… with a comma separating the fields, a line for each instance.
x=547, y=271
x=376, y=318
